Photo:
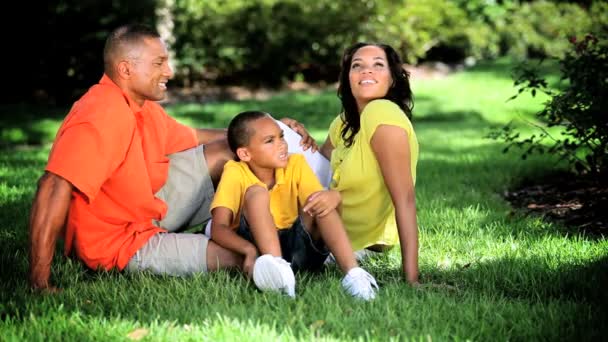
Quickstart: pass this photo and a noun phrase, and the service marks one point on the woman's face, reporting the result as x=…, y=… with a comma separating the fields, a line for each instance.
x=370, y=76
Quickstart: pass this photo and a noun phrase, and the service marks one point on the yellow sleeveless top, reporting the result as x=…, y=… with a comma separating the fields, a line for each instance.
x=367, y=209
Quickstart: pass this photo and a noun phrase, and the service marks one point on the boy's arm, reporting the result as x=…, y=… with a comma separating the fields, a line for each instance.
x=226, y=237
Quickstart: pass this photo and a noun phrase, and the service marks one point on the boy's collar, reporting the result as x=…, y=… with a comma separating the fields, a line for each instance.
x=279, y=176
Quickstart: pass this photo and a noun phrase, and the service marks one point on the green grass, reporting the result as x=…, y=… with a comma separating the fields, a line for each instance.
x=496, y=274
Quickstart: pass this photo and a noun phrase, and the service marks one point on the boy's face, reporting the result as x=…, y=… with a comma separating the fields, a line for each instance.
x=267, y=147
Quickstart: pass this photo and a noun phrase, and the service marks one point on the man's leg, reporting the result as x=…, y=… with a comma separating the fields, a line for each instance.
x=191, y=182
x=182, y=254
x=216, y=154
x=219, y=257
x=188, y=193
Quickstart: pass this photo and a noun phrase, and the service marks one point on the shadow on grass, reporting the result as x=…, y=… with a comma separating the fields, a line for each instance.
x=506, y=68
x=451, y=116
x=499, y=291
x=531, y=279
x=480, y=172
x=533, y=282
x=29, y=124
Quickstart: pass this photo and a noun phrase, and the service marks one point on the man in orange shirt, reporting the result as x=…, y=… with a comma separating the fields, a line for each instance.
x=123, y=176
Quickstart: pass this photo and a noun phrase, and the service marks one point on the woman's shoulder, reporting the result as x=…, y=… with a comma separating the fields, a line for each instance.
x=383, y=111
x=336, y=122
x=335, y=127
x=380, y=107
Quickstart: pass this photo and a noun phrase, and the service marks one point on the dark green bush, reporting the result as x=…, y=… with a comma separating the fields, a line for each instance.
x=540, y=28
x=270, y=41
x=416, y=27
x=579, y=109
x=262, y=41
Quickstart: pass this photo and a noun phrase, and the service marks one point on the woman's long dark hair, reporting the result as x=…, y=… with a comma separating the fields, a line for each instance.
x=399, y=92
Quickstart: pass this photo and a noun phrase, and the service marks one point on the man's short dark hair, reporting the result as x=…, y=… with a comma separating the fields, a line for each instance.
x=239, y=132
x=125, y=36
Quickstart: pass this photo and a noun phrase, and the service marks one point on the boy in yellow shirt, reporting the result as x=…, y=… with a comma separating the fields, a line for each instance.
x=257, y=208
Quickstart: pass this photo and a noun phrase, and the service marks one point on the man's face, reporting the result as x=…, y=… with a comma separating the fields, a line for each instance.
x=267, y=147
x=150, y=71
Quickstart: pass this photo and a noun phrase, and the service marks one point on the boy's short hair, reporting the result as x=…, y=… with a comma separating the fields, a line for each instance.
x=239, y=131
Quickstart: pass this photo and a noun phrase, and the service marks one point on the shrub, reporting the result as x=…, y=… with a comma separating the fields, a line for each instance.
x=417, y=27
x=262, y=41
x=540, y=28
x=579, y=109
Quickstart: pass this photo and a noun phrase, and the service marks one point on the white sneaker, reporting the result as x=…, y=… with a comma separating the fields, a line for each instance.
x=360, y=284
x=274, y=274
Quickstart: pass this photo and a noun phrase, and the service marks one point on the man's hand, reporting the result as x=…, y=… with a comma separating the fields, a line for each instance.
x=307, y=141
x=40, y=272
x=322, y=203
x=47, y=220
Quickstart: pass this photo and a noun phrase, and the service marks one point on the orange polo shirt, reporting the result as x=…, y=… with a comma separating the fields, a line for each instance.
x=114, y=152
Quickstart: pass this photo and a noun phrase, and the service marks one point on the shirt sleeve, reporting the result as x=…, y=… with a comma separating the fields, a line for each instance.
x=382, y=112
x=335, y=130
x=308, y=183
x=229, y=191
x=179, y=136
x=86, y=153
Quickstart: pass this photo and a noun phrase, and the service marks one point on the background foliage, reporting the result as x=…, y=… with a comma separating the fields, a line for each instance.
x=578, y=110
x=269, y=42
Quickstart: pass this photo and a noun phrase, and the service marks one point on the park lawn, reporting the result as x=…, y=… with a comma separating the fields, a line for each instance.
x=490, y=273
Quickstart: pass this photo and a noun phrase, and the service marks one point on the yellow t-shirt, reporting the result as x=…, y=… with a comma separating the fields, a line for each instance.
x=293, y=185
x=367, y=209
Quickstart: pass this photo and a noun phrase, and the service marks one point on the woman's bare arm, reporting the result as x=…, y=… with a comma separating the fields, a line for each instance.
x=395, y=165
x=327, y=148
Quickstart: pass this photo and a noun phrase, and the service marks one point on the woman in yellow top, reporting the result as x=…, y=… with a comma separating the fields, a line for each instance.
x=373, y=152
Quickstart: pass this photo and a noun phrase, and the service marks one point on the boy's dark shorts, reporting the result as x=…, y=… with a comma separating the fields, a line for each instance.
x=297, y=246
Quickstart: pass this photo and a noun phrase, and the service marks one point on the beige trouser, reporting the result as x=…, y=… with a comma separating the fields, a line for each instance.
x=188, y=193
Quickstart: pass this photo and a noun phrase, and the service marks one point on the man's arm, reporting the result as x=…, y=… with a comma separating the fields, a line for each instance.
x=47, y=220
x=206, y=135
